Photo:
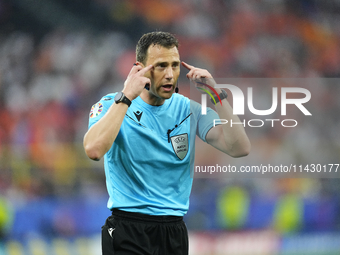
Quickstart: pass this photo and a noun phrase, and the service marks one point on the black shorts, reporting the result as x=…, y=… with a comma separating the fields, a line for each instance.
x=126, y=233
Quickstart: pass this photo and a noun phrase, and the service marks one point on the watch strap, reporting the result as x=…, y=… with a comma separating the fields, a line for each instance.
x=222, y=95
x=125, y=100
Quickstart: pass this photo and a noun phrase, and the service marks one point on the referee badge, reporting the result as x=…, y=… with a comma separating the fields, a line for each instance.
x=180, y=145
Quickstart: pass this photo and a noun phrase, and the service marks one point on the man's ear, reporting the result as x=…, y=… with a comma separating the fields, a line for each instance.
x=139, y=64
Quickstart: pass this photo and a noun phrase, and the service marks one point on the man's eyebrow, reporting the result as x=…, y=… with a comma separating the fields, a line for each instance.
x=160, y=63
x=165, y=62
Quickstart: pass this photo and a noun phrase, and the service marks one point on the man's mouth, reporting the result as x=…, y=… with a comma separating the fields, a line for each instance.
x=167, y=87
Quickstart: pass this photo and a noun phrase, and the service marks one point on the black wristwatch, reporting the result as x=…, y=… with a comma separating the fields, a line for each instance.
x=121, y=98
x=222, y=95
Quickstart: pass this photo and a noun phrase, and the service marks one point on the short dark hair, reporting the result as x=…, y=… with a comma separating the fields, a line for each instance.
x=163, y=39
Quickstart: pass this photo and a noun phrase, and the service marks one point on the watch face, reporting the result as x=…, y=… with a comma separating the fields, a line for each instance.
x=119, y=96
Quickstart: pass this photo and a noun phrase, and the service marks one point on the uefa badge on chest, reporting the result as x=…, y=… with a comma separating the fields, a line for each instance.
x=180, y=145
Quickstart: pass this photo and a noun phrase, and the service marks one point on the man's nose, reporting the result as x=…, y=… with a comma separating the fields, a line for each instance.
x=169, y=73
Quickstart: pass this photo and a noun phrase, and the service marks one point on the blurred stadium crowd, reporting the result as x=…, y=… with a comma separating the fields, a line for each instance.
x=58, y=57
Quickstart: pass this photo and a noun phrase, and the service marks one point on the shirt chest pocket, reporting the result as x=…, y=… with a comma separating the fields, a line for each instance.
x=180, y=128
x=179, y=138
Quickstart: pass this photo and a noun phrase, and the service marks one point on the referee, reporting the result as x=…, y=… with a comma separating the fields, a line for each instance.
x=143, y=133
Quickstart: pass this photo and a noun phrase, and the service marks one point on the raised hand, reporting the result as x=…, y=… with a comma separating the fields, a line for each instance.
x=136, y=81
x=199, y=76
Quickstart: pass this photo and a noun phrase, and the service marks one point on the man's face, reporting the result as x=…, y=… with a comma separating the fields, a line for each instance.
x=165, y=71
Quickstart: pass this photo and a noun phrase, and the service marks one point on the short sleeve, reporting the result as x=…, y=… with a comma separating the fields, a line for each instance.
x=99, y=109
x=204, y=122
